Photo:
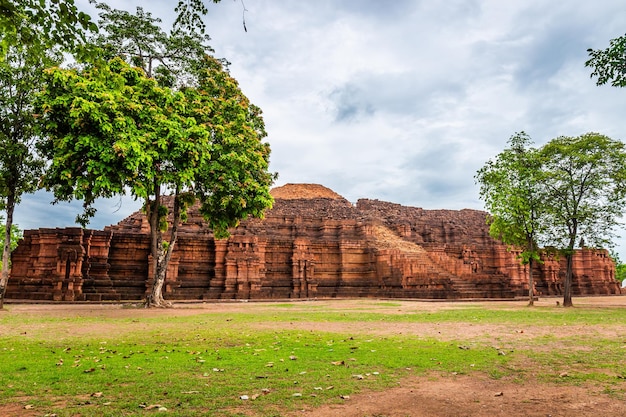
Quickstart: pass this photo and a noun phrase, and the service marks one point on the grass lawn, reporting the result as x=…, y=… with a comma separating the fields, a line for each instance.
x=270, y=359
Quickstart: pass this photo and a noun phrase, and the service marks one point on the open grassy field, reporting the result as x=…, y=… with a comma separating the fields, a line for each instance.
x=315, y=358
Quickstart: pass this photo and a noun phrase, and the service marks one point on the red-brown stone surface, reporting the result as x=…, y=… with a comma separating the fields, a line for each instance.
x=312, y=243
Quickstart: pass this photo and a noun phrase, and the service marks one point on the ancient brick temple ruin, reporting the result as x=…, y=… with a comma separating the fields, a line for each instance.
x=312, y=244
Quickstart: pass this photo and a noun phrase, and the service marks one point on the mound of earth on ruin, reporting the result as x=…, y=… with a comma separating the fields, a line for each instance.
x=303, y=191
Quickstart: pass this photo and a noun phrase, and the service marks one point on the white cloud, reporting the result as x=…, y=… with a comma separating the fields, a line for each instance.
x=405, y=100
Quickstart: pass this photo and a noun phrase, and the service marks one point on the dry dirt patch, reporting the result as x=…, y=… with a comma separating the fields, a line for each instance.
x=477, y=396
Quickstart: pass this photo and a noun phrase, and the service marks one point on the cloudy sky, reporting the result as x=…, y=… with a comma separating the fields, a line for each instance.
x=400, y=100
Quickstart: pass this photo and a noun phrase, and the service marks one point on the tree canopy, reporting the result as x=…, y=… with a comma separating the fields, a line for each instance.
x=138, y=38
x=48, y=22
x=585, y=180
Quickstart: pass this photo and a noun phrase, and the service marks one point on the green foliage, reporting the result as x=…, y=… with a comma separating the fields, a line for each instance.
x=609, y=65
x=45, y=23
x=512, y=190
x=21, y=76
x=235, y=182
x=620, y=268
x=190, y=12
x=16, y=235
x=620, y=272
x=585, y=179
x=105, y=127
x=110, y=128
x=140, y=40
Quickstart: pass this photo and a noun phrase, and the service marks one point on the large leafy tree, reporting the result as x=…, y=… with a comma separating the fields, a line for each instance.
x=585, y=180
x=511, y=188
x=21, y=75
x=110, y=129
x=609, y=65
x=179, y=60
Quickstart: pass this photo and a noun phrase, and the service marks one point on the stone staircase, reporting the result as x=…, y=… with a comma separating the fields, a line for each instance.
x=427, y=279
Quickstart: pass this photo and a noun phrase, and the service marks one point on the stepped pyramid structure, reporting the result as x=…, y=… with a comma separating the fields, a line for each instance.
x=312, y=244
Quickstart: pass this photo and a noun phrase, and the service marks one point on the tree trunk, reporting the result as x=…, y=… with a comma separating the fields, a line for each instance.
x=160, y=255
x=569, y=270
x=155, y=298
x=531, y=284
x=530, y=246
x=6, y=254
x=567, y=287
